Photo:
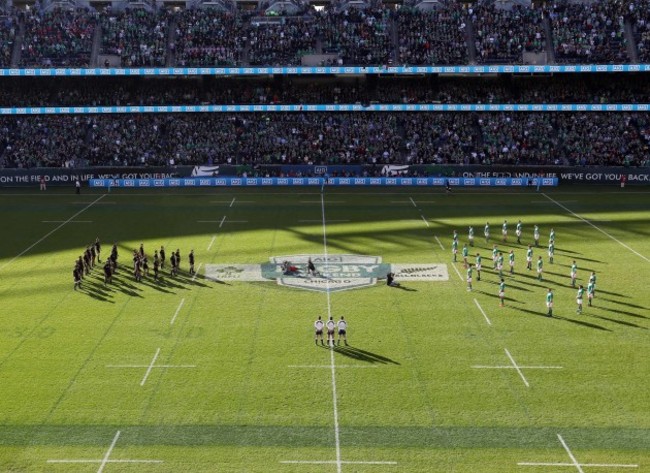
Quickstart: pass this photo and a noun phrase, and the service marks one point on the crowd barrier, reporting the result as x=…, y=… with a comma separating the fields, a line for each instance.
x=319, y=181
x=575, y=107
x=235, y=71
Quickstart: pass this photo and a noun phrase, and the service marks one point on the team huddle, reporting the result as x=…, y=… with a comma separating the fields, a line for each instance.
x=86, y=262
x=498, y=262
x=331, y=327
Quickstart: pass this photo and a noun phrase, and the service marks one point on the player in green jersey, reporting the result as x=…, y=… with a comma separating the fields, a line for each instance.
x=465, y=255
x=551, y=252
x=502, y=292
x=455, y=236
x=581, y=291
x=511, y=261
x=500, y=264
x=549, y=302
x=592, y=280
x=478, y=267
x=590, y=292
x=574, y=273
x=536, y=235
x=486, y=232
x=495, y=256
x=454, y=248
x=540, y=268
x=504, y=230
x=469, y=277
x=551, y=236
x=470, y=235
x=518, y=232
x=529, y=258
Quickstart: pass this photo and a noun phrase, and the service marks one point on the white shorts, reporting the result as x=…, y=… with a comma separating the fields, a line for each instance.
x=499, y=267
x=590, y=296
x=530, y=260
x=501, y=294
x=573, y=275
x=579, y=301
x=469, y=280
x=512, y=264
x=518, y=233
x=549, y=305
x=478, y=267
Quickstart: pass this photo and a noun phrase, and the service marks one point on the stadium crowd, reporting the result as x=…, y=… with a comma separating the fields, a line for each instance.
x=589, y=32
x=326, y=138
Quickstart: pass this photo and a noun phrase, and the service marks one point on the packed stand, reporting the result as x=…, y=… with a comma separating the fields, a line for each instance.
x=282, y=44
x=639, y=13
x=335, y=138
x=589, y=33
x=58, y=38
x=8, y=30
x=139, y=37
x=436, y=37
x=502, y=36
x=208, y=38
x=360, y=37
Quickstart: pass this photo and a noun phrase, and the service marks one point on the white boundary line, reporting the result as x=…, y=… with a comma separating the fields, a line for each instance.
x=318, y=221
x=51, y=231
x=573, y=459
x=517, y=368
x=108, y=452
x=439, y=242
x=222, y=221
x=425, y=221
x=146, y=375
x=413, y=202
x=196, y=272
x=177, y=311
x=211, y=242
x=232, y=203
x=332, y=462
x=328, y=366
x=482, y=312
x=597, y=228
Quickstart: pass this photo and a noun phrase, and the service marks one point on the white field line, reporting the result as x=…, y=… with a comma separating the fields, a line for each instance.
x=223, y=201
x=510, y=367
x=178, y=309
x=332, y=462
x=146, y=366
x=439, y=243
x=482, y=312
x=207, y=221
x=596, y=227
x=413, y=202
x=51, y=231
x=318, y=221
x=318, y=201
x=107, y=461
x=232, y=203
x=108, y=452
x=100, y=203
x=457, y=272
x=328, y=366
x=63, y=221
x=222, y=220
x=337, y=438
x=197, y=271
x=592, y=465
x=212, y=242
x=573, y=459
x=547, y=202
x=146, y=375
x=512, y=360
x=425, y=221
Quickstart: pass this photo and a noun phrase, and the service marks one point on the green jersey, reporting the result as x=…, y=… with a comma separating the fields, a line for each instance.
x=465, y=252
x=454, y=246
x=592, y=279
x=529, y=254
x=500, y=260
x=486, y=230
x=551, y=248
x=502, y=287
x=455, y=235
x=495, y=253
x=590, y=288
x=471, y=233
x=519, y=228
x=574, y=269
x=504, y=227
x=551, y=237
x=511, y=258
x=478, y=260
x=536, y=232
x=540, y=265
x=581, y=291
x=469, y=272
x=549, y=297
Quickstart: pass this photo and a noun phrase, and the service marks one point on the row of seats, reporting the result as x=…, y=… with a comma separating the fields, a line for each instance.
x=334, y=138
x=592, y=32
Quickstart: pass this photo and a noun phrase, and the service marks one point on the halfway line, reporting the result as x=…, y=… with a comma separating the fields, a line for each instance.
x=52, y=231
x=597, y=228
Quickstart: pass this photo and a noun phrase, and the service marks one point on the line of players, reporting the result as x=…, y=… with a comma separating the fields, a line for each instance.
x=86, y=262
x=498, y=264
x=331, y=327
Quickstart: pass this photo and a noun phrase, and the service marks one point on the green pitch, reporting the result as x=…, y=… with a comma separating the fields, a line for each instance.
x=198, y=375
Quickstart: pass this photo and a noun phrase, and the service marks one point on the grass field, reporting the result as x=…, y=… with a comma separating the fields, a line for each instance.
x=199, y=375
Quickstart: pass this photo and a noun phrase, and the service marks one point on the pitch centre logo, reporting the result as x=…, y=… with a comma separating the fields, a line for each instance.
x=332, y=273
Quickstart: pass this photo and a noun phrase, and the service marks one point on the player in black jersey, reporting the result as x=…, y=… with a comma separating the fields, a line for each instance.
x=174, y=269
x=108, y=272
x=162, y=257
x=191, y=258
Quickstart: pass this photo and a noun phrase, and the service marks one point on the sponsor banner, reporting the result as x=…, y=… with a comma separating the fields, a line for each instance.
x=336, y=272
x=135, y=109
x=420, y=272
x=332, y=181
x=357, y=70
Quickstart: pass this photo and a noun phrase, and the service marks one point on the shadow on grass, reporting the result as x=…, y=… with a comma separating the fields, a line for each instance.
x=404, y=288
x=623, y=303
x=621, y=322
x=625, y=312
x=582, y=322
x=363, y=355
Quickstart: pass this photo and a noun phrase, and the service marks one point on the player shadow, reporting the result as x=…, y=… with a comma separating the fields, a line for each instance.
x=494, y=296
x=186, y=279
x=624, y=312
x=616, y=294
x=582, y=322
x=404, y=288
x=562, y=250
x=363, y=355
x=96, y=293
x=149, y=282
x=622, y=322
x=623, y=303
